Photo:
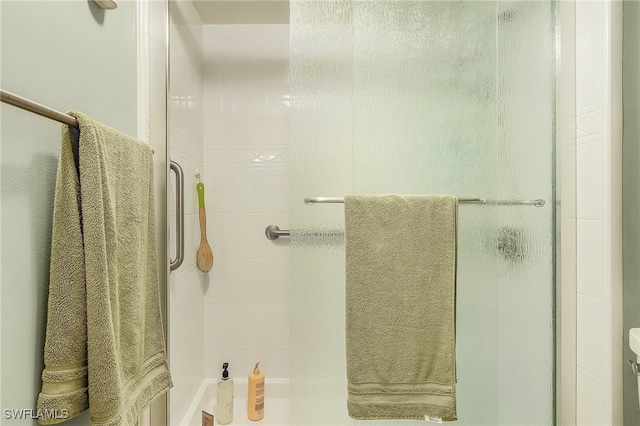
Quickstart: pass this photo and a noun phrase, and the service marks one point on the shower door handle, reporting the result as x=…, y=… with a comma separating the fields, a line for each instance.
x=175, y=264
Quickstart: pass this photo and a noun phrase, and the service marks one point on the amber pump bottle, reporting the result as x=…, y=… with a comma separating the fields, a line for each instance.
x=255, y=398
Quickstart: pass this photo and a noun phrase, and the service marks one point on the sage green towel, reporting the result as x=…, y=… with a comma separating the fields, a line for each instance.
x=400, y=306
x=104, y=346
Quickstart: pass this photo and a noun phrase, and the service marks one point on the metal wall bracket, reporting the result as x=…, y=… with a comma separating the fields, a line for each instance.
x=273, y=232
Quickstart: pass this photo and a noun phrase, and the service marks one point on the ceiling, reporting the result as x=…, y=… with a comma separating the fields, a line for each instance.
x=242, y=11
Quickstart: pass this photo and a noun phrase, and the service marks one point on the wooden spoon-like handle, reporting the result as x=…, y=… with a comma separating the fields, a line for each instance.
x=202, y=214
x=204, y=257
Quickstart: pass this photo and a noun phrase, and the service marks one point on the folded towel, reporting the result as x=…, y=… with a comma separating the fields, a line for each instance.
x=104, y=345
x=400, y=306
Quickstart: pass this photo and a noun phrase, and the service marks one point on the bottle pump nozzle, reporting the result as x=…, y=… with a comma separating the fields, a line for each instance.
x=225, y=373
x=256, y=369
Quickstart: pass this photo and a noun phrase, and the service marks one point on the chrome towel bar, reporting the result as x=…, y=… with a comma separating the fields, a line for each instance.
x=41, y=110
x=536, y=203
x=273, y=232
x=26, y=104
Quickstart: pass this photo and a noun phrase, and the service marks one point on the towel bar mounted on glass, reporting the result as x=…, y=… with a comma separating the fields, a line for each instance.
x=273, y=232
x=536, y=203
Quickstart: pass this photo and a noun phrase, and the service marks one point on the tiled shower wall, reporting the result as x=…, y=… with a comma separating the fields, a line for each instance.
x=592, y=308
x=246, y=165
x=229, y=94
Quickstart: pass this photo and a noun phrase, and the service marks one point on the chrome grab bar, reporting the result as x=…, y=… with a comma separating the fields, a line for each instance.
x=175, y=264
x=273, y=232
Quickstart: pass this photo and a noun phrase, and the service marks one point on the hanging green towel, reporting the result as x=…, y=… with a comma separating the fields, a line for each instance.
x=400, y=306
x=104, y=346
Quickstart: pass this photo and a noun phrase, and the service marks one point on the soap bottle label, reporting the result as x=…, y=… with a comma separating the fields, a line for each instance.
x=260, y=398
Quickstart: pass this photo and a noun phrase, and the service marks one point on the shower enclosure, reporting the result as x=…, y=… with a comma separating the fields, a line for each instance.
x=407, y=97
x=429, y=97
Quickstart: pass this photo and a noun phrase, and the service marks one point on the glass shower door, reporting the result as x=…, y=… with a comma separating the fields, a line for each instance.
x=428, y=97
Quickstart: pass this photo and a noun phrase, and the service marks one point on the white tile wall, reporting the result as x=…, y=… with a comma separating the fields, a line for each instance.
x=591, y=401
x=590, y=252
x=591, y=348
x=246, y=169
x=598, y=215
x=187, y=284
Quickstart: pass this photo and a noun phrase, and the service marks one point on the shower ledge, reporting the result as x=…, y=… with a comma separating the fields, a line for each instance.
x=276, y=406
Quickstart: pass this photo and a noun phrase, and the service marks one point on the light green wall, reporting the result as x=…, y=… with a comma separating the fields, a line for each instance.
x=66, y=55
x=631, y=198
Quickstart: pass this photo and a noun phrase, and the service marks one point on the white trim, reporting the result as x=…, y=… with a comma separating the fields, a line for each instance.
x=142, y=21
x=142, y=7
x=612, y=212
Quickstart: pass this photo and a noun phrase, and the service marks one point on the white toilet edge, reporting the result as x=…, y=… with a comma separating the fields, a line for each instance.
x=634, y=340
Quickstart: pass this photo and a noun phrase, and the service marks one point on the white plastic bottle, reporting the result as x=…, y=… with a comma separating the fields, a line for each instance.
x=224, y=408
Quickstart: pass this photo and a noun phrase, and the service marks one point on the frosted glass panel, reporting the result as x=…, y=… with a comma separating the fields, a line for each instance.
x=524, y=259
x=428, y=97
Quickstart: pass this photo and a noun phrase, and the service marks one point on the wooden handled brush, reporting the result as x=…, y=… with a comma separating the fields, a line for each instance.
x=204, y=257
